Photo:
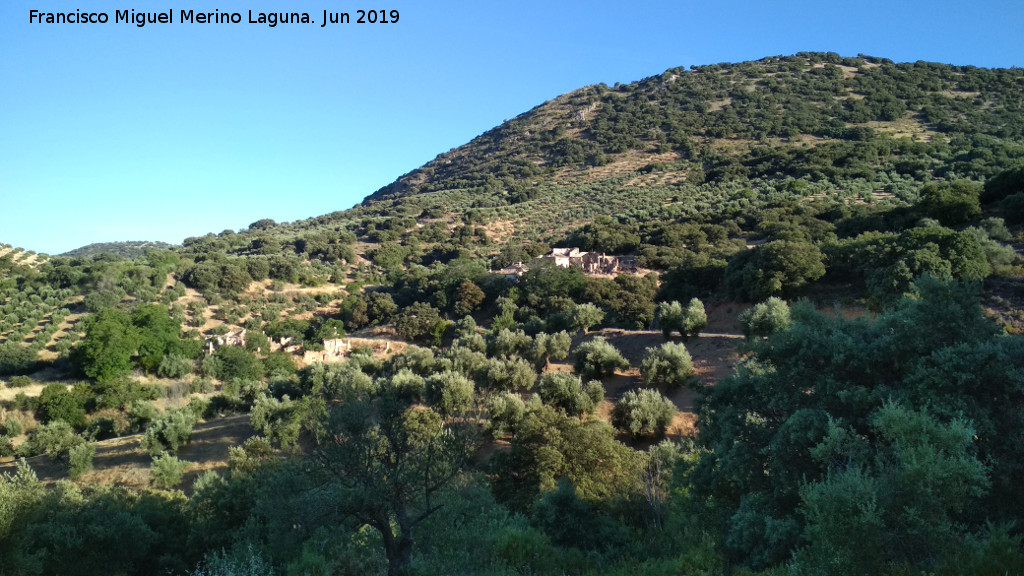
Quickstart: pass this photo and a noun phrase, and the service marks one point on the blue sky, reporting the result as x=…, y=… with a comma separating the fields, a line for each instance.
x=113, y=132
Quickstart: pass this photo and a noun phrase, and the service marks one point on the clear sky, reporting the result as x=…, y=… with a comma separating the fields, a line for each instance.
x=111, y=132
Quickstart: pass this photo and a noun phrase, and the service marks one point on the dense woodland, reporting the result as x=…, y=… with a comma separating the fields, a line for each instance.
x=844, y=233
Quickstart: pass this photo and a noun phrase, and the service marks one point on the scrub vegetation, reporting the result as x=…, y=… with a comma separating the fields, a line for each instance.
x=807, y=358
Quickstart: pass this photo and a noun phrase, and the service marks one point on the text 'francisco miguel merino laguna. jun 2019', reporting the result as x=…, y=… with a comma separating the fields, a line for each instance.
x=170, y=16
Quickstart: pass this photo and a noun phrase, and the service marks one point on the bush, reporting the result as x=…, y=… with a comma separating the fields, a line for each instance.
x=776, y=267
x=12, y=427
x=1013, y=208
x=765, y=318
x=55, y=440
x=689, y=321
x=80, y=459
x=509, y=374
x=140, y=414
x=201, y=386
x=167, y=471
x=175, y=366
x=507, y=411
x=449, y=393
x=567, y=392
x=597, y=359
x=334, y=381
x=106, y=427
x=15, y=358
x=643, y=413
x=57, y=403
x=419, y=321
x=247, y=458
x=20, y=382
x=169, y=432
x=278, y=420
x=668, y=365
x=236, y=362
x=408, y=385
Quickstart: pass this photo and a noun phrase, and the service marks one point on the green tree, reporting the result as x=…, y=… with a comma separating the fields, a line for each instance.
x=760, y=426
x=449, y=393
x=110, y=341
x=643, y=413
x=387, y=467
x=56, y=402
x=236, y=362
x=80, y=459
x=597, y=359
x=694, y=318
x=55, y=439
x=15, y=358
x=168, y=433
x=166, y=471
x=547, y=347
x=509, y=374
x=469, y=298
x=669, y=365
x=902, y=497
x=159, y=335
x=765, y=318
x=583, y=316
x=418, y=321
x=568, y=393
x=951, y=203
x=777, y=267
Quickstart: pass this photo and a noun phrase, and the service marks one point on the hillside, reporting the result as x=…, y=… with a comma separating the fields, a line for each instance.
x=123, y=249
x=712, y=322
x=843, y=124
x=683, y=170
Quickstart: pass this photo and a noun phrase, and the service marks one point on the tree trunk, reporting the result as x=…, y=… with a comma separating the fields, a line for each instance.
x=399, y=548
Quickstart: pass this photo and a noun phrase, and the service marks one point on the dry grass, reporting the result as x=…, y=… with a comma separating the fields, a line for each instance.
x=122, y=462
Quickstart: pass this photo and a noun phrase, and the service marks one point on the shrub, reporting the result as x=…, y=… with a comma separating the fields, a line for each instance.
x=419, y=321
x=597, y=359
x=80, y=459
x=198, y=407
x=765, y=318
x=12, y=427
x=408, y=385
x=449, y=392
x=20, y=382
x=57, y=403
x=584, y=316
x=169, y=432
x=689, y=321
x=201, y=386
x=140, y=414
x=247, y=458
x=277, y=419
x=54, y=439
x=236, y=362
x=567, y=392
x=507, y=411
x=776, y=267
x=15, y=358
x=338, y=380
x=106, y=427
x=643, y=413
x=167, y=471
x=509, y=374
x=175, y=366
x=668, y=365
